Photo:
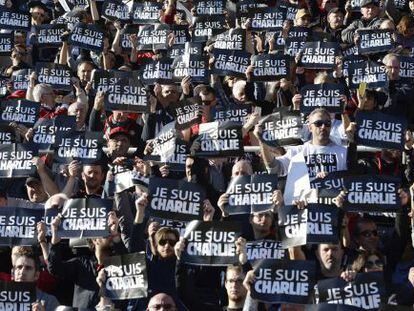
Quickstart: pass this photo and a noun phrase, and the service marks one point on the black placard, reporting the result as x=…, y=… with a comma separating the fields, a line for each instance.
x=356, y=5
x=153, y=37
x=270, y=67
x=104, y=81
x=373, y=41
x=45, y=130
x=125, y=42
x=49, y=34
x=18, y=225
x=146, y=12
x=376, y=129
x=17, y=296
x=265, y=249
x=372, y=73
x=251, y=194
x=329, y=187
x=210, y=7
x=85, y=218
x=232, y=112
x=115, y=10
x=319, y=55
x=283, y=281
x=351, y=59
x=281, y=128
x=127, y=95
x=325, y=95
x=233, y=39
x=181, y=34
x=7, y=134
x=88, y=37
x=406, y=68
x=296, y=40
x=14, y=20
x=176, y=199
x=372, y=193
x=330, y=307
x=164, y=143
x=174, y=224
x=16, y=160
x=6, y=43
x=176, y=162
x=58, y=76
x=156, y=71
x=20, y=79
x=322, y=224
x=4, y=81
x=365, y=291
x=220, y=139
x=82, y=146
x=186, y=113
x=21, y=111
x=267, y=18
x=190, y=65
x=207, y=26
x=292, y=225
x=211, y=243
x=126, y=277
x=231, y=63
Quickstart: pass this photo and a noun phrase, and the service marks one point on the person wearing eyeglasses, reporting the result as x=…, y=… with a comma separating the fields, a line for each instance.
x=321, y=155
x=236, y=293
x=366, y=235
x=369, y=261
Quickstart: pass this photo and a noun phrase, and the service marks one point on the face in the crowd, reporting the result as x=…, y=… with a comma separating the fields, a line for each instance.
x=393, y=68
x=101, y=244
x=165, y=246
x=35, y=192
x=92, y=176
x=234, y=286
x=330, y=257
x=320, y=127
x=369, y=12
x=84, y=72
x=336, y=20
x=373, y=264
x=119, y=116
x=369, y=102
x=239, y=93
x=261, y=222
x=78, y=110
x=118, y=145
x=241, y=168
x=161, y=302
x=169, y=94
x=24, y=270
x=328, y=5
x=189, y=170
x=411, y=5
x=303, y=21
x=48, y=98
x=208, y=99
x=368, y=236
x=38, y=15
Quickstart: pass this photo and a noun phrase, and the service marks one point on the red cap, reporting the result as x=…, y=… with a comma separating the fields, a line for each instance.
x=17, y=94
x=116, y=130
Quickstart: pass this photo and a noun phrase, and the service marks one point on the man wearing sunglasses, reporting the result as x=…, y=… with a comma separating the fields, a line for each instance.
x=320, y=153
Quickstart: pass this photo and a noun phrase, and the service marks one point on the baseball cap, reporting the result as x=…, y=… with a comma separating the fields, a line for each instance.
x=368, y=2
x=112, y=132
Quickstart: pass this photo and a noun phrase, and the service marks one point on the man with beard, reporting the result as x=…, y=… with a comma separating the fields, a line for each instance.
x=330, y=259
x=236, y=292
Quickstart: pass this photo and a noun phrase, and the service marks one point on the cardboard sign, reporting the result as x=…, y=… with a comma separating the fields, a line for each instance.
x=16, y=160
x=49, y=34
x=17, y=295
x=281, y=128
x=270, y=67
x=233, y=112
x=205, y=27
x=21, y=111
x=58, y=76
x=127, y=95
x=177, y=160
x=296, y=40
x=7, y=134
x=372, y=73
x=265, y=249
x=190, y=65
x=153, y=37
x=85, y=218
x=115, y=10
x=164, y=143
x=146, y=12
x=251, y=194
x=376, y=129
x=319, y=55
x=267, y=18
x=325, y=95
x=156, y=71
x=372, y=193
x=211, y=243
x=406, y=68
x=104, y=80
x=292, y=226
x=330, y=186
x=88, y=37
x=220, y=139
x=356, y=5
x=233, y=39
x=81, y=146
x=373, y=41
x=283, y=281
x=126, y=277
x=6, y=43
x=14, y=20
x=365, y=292
x=210, y=7
x=125, y=43
x=45, y=130
x=181, y=34
x=176, y=199
x=18, y=226
x=186, y=114
x=231, y=63
x=322, y=224
x=20, y=79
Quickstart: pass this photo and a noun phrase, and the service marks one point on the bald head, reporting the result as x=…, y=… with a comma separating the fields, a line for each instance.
x=242, y=168
x=161, y=302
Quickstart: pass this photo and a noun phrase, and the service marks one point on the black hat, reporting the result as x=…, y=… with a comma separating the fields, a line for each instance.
x=368, y=2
